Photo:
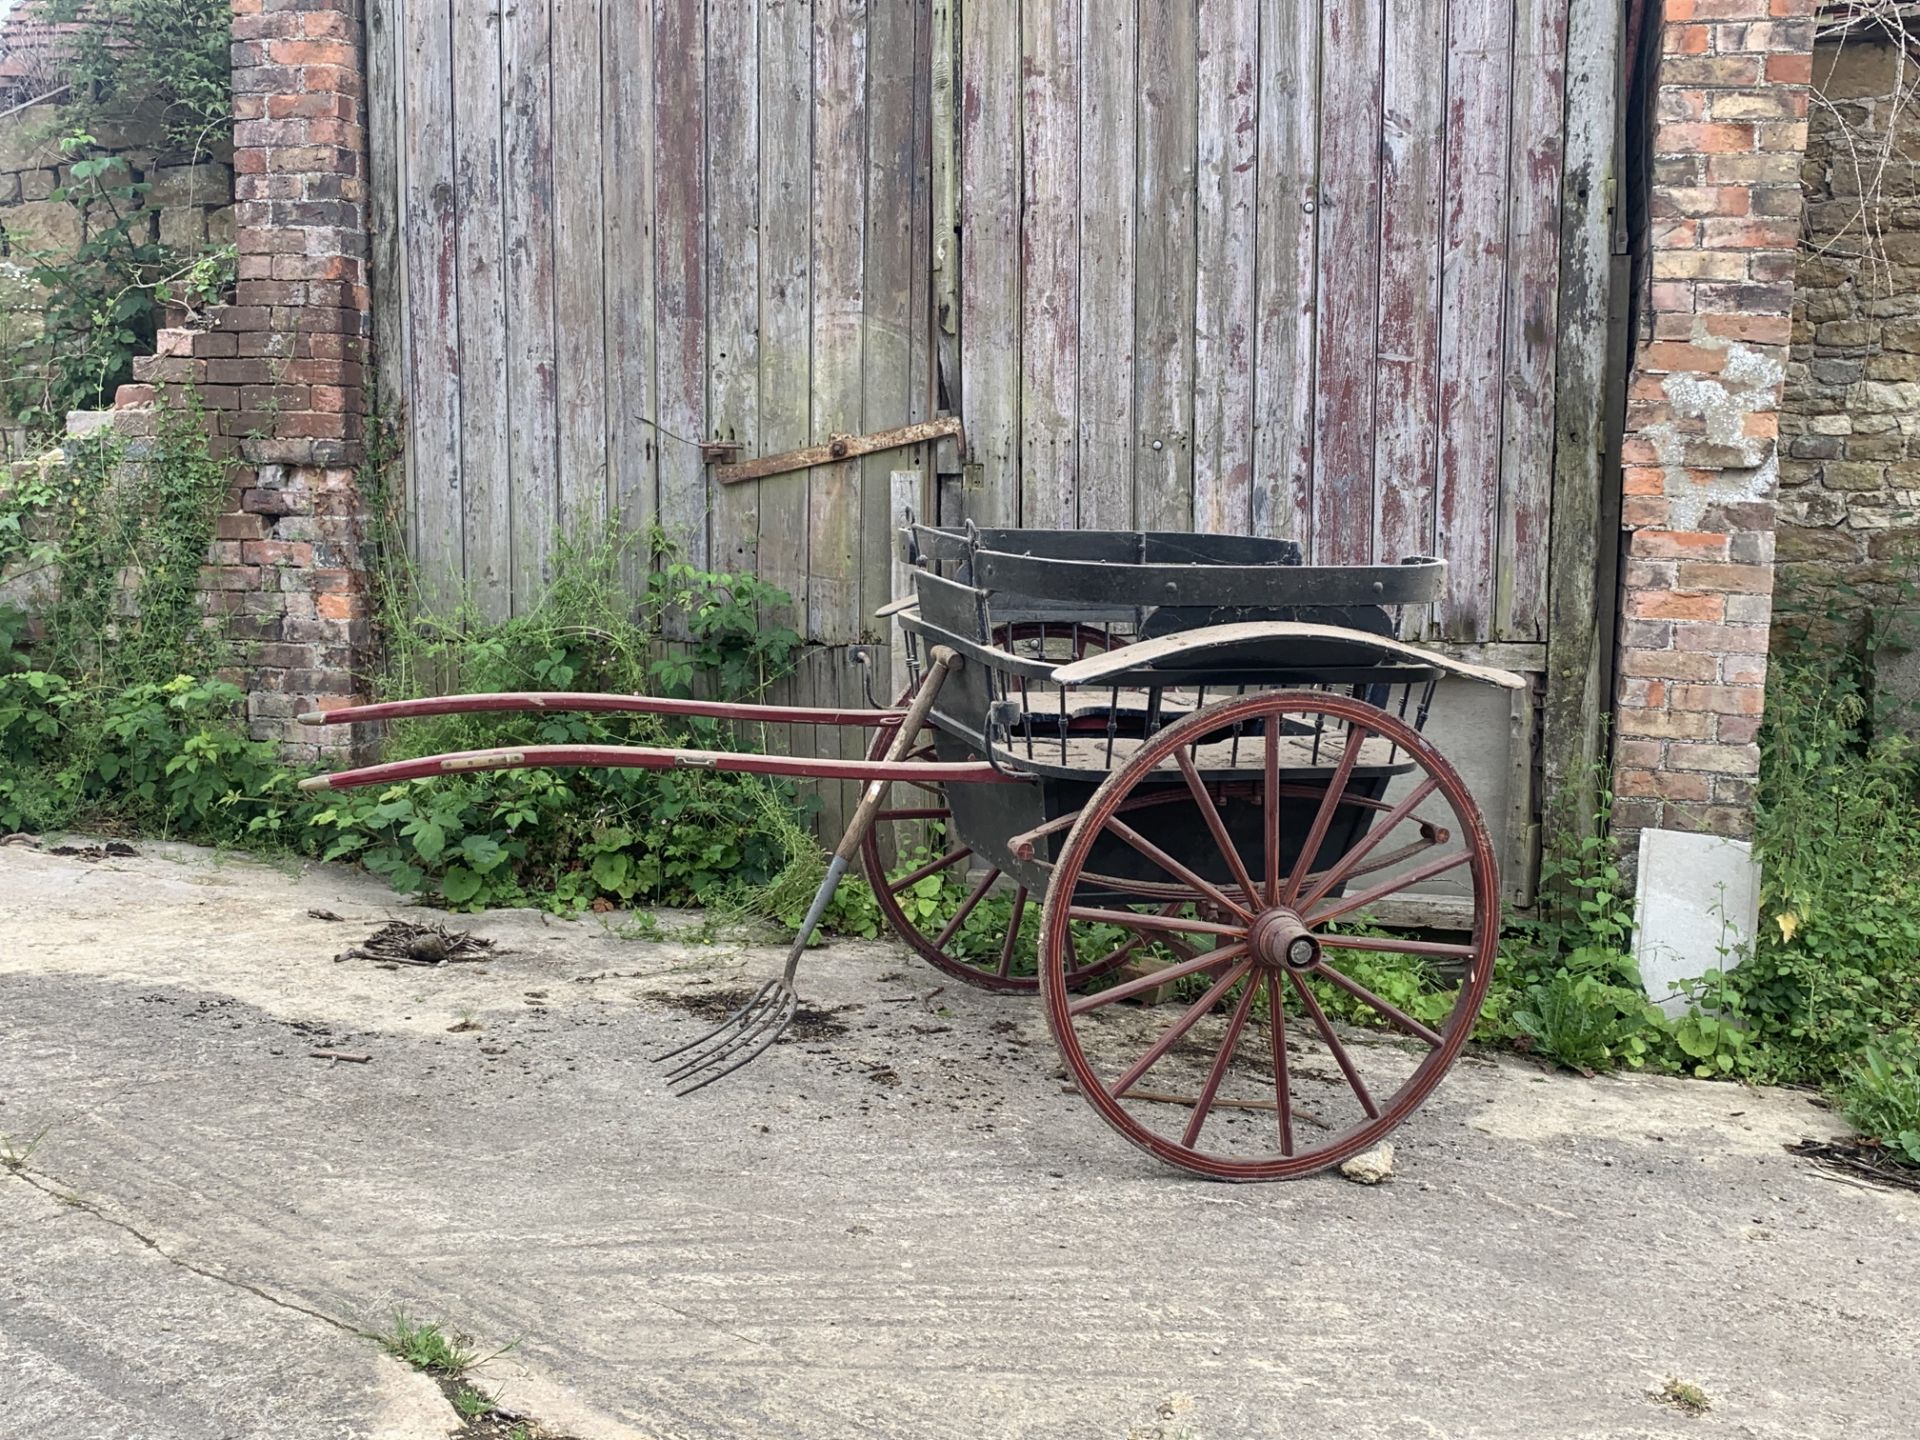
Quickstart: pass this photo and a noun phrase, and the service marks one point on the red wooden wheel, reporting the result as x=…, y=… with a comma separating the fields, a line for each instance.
x=1279, y=1056
x=997, y=950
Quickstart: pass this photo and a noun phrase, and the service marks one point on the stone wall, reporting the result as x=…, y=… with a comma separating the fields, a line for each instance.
x=1850, y=422
x=190, y=205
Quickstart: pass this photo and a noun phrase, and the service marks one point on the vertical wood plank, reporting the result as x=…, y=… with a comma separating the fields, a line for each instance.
x=1349, y=281
x=579, y=269
x=628, y=180
x=485, y=405
x=1580, y=629
x=1533, y=268
x=943, y=144
x=896, y=187
x=989, y=119
x=839, y=242
x=1049, y=263
x=680, y=275
x=786, y=317
x=533, y=451
x=733, y=261
x=1227, y=60
x=386, y=72
x=903, y=501
x=1407, y=407
x=1473, y=296
x=786, y=292
x=1286, y=269
x=433, y=302
x=1164, y=274
x=1110, y=58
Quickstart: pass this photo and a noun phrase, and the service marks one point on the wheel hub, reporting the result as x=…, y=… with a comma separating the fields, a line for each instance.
x=1280, y=939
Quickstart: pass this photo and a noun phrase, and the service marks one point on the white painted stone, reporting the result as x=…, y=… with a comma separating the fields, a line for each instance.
x=1698, y=906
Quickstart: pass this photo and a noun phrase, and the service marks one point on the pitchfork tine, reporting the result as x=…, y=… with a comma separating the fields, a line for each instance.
x=751, y=1030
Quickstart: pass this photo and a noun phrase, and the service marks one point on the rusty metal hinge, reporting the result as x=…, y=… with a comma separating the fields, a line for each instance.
x=841, y=447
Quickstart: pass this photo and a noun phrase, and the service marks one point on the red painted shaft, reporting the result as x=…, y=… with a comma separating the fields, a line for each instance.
x=561, y=702
x=625, y=757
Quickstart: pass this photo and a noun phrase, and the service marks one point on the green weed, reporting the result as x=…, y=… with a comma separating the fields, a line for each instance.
x=1881, y=1096
x=1683, y=1396
x=15, y=1153
x=429, y=1346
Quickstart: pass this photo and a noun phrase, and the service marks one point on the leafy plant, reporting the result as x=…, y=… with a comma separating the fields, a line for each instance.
x=1584, y=1022
x=1837, y=963
x=97, y=303
x=123, y=59
x=1881, y=1096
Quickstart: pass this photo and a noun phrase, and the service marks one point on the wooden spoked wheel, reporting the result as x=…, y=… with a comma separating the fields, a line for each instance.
x=1273, y=1052
x=973, y=925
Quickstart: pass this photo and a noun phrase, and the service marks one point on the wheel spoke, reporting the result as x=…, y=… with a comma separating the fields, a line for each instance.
x=1211, y=814
x=967, y=905
x=1174, y=868
x=1340, y=1056
x=932, y=867
x=1394, y=945
x=1391, y=886
x=1270, y=809
x=1277, y=1039
x=1376, y=832
x=1393, y=1012
x=1127, y=989
x=1013, y=932
x=1204, y=1105
x=1179, y=1027
x=1323, y=817
x=1133, y=920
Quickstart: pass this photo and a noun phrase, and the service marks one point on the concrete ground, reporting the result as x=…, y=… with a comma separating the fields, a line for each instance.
x=904, y=1229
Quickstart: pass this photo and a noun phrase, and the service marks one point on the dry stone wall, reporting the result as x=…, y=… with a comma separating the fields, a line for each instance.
x=1849, y=504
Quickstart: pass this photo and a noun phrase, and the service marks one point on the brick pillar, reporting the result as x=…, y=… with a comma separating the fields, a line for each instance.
x=281, y=371
x=1703, y=412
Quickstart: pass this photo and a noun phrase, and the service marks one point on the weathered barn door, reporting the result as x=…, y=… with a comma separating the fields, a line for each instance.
x=1269, y=266
x=614, y=232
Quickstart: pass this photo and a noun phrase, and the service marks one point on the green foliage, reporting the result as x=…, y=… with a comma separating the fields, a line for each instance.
x=1881, y=1096
x=1584, y=1021
x=128, y=59
x=1567, y=987
x=1838, y=832
x=97, y=303
x=567, y=840
x=431, y=1347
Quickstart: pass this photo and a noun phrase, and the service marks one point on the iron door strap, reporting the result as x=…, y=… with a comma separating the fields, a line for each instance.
x=841, y=447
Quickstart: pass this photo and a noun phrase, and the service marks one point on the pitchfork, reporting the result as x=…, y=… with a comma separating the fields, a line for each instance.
x=750, y=1031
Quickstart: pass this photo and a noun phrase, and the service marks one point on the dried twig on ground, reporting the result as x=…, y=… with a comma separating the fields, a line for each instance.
x=1859, y=1157
x=402, y=942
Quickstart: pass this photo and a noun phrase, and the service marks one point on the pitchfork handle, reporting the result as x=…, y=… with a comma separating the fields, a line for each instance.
x=944, y=660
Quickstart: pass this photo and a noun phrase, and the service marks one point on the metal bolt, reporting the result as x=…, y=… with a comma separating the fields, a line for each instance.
x=1301, y=951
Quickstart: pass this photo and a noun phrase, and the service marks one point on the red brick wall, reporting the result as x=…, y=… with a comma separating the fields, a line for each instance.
x=281, y=373
x=1703, y=411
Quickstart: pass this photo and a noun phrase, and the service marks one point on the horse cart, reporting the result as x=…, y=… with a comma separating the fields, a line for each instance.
x=1177, y=785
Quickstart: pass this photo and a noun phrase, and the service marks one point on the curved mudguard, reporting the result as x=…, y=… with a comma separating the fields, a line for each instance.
x=1269, y=642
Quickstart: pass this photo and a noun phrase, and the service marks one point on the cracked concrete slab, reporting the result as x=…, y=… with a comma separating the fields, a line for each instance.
x=903, y=1229
x=102, y=1334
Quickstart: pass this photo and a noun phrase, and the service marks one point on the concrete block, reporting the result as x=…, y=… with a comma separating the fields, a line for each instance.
x=1697, y=909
